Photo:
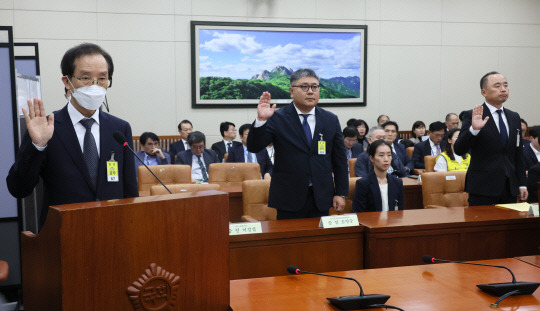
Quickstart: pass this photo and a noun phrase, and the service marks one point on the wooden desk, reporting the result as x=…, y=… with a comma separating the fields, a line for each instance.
x=400, y=238
x=439, y=287
x=533, y=260
x=236, y=209
x=298, y=242
x=412, y=193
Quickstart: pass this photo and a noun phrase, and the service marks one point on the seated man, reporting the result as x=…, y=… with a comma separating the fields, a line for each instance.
x=533, y=177
x=151, y=153
x=364, y=165
x=184, y=128
x=197, y=157
x=531, y=152
x=432, y=146
x=228, y=132
x=451, y=121
x=390, y=135
x=350, y=137
x=241, y=154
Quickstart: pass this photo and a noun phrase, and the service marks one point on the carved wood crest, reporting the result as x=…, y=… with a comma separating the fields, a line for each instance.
x=155, y=290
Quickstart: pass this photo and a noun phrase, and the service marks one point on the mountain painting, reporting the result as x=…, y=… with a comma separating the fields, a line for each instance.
x=235, y=65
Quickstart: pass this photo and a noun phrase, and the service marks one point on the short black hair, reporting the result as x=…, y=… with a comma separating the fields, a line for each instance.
x=243, y=128
x=382, y=115
x=144, y=137
x=224, y=127
x=184, y=122
x=436, y=126
x=350, y=131
x=359, y=122
x=351, y=122
x=461, y=115
x=387, y=123
x=485, y=77
x=67, y=65
x=416, y=125
x=196, y=137
x=376, y=144
x=304, y=72
x=534, y=132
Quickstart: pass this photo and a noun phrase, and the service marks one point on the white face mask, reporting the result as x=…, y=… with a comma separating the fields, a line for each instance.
x=89, y=97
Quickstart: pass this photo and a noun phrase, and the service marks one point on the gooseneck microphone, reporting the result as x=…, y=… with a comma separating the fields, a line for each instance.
x=503, y=290
x=350, y=302
x=121, y=139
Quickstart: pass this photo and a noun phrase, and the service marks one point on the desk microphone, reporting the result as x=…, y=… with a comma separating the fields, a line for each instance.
x=502, y=290
x=121, y=139
x=349, y=302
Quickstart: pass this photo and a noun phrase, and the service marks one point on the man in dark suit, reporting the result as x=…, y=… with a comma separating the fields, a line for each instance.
x=363, y=164
x=198, y=157
x=492, y=133
x=228, y=132
x=184, y=128
x=151, y=153
x=350, y=138
x=309, y=148
x=71, y=148
x=432, y=146
x=533, y=178
x=531, y=152
x=391, y=130
x=242, y=155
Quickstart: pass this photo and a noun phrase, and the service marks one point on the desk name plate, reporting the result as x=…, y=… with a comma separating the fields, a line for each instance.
x=338, y=221
x=245, y=228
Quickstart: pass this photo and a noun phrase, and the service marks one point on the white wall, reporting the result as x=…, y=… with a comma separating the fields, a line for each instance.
x=425, y=57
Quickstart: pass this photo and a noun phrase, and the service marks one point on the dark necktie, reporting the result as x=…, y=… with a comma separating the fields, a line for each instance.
x=502, y=128
x=90, y=152
x=229, y=145
x=203, y=170
x=307, y=129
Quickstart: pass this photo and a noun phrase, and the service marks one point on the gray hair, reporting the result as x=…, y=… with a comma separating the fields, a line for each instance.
x=371, y=130
x=304, y=72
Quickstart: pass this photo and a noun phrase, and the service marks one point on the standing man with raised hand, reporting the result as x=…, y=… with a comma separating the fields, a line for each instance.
x=493, y=134
x=309, y=148
x=72, y=148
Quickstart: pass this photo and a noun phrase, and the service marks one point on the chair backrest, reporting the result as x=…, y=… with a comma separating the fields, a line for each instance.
x=444, y=189
x=233, y=174
x=4, y=270
x=182, y=188
x=410, y=151
x=349, y=199
x=255, y=201
x=169, y=174
x=352, y=162
x=430, y=161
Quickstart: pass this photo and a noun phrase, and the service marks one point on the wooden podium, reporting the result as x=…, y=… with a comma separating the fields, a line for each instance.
x=168, y=252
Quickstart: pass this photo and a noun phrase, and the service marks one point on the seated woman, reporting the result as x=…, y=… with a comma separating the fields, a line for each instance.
x=362, y=128
x=379, y=190
x=450, y=161
x=418, y=130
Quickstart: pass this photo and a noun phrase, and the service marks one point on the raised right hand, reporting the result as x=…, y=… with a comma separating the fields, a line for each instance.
x=476, y=121
x=39, y=128
x=265, y=110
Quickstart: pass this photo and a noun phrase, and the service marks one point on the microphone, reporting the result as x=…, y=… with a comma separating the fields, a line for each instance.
x=348, y=302
x=121, y=139
x=496, y=289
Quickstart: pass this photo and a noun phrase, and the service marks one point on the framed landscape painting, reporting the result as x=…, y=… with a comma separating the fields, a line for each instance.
x=234, y=63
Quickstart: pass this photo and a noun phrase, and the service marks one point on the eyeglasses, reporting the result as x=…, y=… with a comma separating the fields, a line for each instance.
x=305, y=88
x=87, y=81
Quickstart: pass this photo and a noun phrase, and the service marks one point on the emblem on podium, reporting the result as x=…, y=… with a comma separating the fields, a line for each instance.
x=155, y=290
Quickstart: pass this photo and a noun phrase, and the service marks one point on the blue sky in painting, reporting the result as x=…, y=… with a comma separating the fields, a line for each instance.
x=244, y=53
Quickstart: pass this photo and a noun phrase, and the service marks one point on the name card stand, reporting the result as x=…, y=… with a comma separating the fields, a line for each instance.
x=338, y=221
x=245, y=228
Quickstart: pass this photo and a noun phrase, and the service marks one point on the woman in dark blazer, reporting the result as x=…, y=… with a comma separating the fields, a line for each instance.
x=378, y=191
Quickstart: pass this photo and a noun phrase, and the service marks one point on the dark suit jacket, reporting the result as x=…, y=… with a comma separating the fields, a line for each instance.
x=296, y=162
x=490, y=159
x=236, y=154
x=367, y=194
x=186, y=157
x=363, y=166
x=63, y=168
x=529, y=156
x=160, y=161
x=356, y=149
x=532, y=182
x=403, y=156
x=421, y=150
x=175, y=148
x=220, y=149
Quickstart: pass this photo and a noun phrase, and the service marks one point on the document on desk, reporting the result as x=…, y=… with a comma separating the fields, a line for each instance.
x=520, y=207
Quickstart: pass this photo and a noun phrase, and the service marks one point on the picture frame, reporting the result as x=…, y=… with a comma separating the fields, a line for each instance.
x=232, y=64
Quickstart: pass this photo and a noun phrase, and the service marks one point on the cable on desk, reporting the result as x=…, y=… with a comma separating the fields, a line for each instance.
x=386, y=307
x=503, y=297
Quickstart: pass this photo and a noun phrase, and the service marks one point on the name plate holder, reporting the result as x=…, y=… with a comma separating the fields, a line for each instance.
x=245, y=228
x=338, y=221
x=533, y=210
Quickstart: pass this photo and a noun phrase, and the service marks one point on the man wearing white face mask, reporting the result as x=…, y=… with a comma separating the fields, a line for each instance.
x=71, y=148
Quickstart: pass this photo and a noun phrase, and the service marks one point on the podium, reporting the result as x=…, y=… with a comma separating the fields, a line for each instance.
x=168, y=252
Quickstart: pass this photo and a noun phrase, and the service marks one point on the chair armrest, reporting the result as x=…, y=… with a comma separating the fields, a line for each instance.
x=418, y=171
x=247, y=218
x=434, y=206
